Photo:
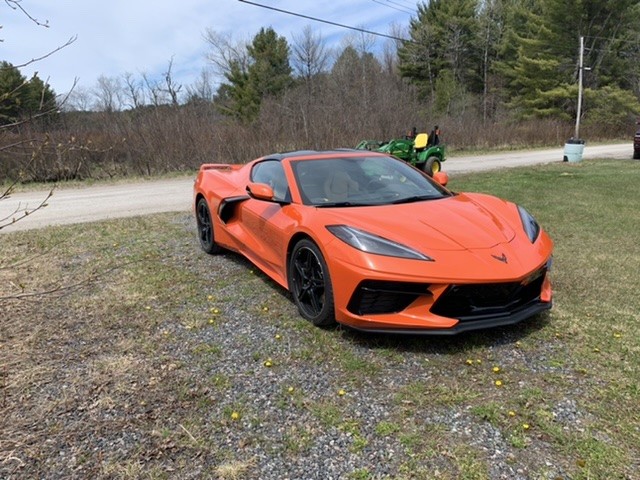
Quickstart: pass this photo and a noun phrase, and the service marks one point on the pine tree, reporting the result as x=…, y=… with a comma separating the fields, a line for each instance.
x=267, y=74
x=20, y=97
x=443, y=37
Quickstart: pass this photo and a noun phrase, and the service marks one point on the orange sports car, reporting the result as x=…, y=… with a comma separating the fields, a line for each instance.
x=368, y=241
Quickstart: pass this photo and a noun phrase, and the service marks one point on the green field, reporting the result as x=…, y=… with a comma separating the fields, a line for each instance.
x=146, y=358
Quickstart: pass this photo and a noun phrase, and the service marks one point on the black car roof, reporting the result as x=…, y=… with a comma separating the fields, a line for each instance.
x=302, y=153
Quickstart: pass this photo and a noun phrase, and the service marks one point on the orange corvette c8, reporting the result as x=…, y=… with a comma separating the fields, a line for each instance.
x=368, y=241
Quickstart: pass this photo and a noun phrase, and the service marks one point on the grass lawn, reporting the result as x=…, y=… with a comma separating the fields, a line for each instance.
x=149, y=359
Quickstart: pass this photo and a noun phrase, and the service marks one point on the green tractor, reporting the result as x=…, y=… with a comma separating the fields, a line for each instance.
x=417, y=152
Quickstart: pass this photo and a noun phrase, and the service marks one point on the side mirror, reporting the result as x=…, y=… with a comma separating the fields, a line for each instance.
x=442, y=178
x=260, y=191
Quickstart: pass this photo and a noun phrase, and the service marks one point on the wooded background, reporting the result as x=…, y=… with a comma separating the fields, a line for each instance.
x=491, y=74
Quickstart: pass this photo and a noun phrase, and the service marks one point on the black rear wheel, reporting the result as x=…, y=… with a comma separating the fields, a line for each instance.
x=205, y=228
x=310, y=284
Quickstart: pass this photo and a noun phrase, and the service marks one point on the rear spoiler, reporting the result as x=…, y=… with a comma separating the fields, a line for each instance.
x=219, y=166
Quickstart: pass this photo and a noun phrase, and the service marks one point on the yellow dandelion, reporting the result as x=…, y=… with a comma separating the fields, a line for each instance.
x=115, y=245
x=342, y=392
x=469, y=361
x=478, y=361
x=512, y=413
x=215, y=311
x=495, y=369
x=526, y=426
x=209, y=297
x=278, y=336
x=268, y=363
x=235, y=416
x=147, y=307
x=518, y=344
x=498, y=383
x=596, y=350
x=265, y=309
x=211, y=321
x=617, y=335
x=290, y=389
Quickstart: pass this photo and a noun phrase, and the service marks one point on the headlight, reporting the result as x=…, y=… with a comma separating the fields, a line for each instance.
x=370, y=243
x=529, y=224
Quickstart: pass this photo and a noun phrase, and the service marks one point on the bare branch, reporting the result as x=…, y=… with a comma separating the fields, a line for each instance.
x=34, y=60
x=19, y=213
x=15, y=5
x=12, y=145
x=225, y=51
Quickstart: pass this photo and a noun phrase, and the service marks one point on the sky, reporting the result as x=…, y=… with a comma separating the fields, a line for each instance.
x=115, y=37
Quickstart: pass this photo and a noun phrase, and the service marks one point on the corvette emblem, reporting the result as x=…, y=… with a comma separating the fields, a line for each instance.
x=502, y=258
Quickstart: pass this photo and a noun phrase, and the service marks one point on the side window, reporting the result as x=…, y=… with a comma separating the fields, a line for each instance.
x=272, y=173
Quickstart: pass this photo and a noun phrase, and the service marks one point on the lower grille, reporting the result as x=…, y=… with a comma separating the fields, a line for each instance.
x=477, y=301
x=375, y=297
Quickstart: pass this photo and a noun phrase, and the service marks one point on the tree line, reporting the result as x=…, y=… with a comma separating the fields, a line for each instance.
x=489, y=72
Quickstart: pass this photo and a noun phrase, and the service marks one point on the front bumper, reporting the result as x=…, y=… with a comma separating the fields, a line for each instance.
x=433, y=308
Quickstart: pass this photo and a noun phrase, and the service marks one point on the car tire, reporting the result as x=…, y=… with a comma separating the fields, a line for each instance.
x=205, y=228
x=310, y=284
x=431, y=166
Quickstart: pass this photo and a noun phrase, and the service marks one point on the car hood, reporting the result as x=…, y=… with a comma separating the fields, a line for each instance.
x=461, y=222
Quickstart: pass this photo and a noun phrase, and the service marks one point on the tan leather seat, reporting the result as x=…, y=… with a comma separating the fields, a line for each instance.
x=338, y=187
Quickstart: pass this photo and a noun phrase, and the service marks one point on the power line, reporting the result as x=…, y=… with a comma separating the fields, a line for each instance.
x=407, y=3
x=399, y=8
x=315, y=19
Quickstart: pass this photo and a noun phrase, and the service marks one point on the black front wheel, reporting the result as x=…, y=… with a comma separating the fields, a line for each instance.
x=205, y=228
x=310, y=284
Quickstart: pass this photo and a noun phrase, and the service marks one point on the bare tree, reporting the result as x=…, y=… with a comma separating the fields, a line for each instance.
x=154, y=90
x=108, y=93
x=171, y=88
x=310, y=54
x=389, y=57
x=225, y=51
x=203, y=88
x=133, y=92
x=310, y=58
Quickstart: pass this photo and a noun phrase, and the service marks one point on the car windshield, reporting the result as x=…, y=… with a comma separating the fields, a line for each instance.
x=362, y=181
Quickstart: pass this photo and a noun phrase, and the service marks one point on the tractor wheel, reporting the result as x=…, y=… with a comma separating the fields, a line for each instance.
x=431, y=166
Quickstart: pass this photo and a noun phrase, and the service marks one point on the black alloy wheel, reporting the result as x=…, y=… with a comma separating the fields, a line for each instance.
x=205, y=228
x=310, y=284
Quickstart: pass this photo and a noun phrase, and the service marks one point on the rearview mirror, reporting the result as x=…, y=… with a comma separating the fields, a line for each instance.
x=442, y=178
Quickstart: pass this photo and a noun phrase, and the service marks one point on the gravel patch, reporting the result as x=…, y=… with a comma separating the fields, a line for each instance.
x=92, y=396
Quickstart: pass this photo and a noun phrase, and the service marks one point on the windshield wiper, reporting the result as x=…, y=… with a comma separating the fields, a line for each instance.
x=342, y=204
x=414, y=198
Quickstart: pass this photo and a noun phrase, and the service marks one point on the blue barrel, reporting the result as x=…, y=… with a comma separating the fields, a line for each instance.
x=573, y=150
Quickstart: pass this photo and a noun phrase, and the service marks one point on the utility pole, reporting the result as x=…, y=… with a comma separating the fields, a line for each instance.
x=580, y=69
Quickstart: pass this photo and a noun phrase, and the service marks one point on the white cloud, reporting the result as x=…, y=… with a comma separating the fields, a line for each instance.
x=138, y=36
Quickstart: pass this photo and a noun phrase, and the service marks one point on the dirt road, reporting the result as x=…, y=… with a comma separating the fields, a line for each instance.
x=102, y=202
